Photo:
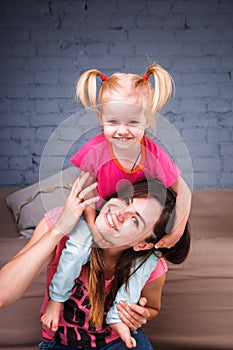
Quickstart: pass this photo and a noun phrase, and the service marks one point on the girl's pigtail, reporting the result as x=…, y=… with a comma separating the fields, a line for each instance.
x=163, y=85
x=86, y=89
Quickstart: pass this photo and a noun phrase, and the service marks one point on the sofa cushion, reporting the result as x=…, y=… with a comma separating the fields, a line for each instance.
x=197, y=310
x=30, y=203
x=211, y=213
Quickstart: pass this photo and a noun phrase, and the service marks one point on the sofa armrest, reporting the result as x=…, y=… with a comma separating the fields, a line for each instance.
x=8, y=227
x=20, y=325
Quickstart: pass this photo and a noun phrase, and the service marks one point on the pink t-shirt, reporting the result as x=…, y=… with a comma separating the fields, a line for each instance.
x=97, y=157
x=74, y=328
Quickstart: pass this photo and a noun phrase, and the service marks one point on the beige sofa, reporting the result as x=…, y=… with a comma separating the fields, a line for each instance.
x=197, y=306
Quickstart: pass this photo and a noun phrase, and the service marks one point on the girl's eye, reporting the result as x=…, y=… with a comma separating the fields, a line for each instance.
x=135, y=221
x=133, y=122
x=112, y=122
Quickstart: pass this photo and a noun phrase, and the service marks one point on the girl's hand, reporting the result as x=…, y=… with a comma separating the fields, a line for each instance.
x=124, y=333
x=169, y=240
x=133, y=315
x=76, y=204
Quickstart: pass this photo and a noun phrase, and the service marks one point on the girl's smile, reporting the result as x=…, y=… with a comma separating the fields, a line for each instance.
x=123, y=123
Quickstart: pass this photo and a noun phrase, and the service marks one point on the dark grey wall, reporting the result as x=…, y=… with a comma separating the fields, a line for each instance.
x=45, y=45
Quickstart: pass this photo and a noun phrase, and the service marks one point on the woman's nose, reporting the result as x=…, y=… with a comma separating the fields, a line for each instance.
x=126, y=212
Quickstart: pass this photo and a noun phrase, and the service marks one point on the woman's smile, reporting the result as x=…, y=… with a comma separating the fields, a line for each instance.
x=125, y=221
x=111, y=220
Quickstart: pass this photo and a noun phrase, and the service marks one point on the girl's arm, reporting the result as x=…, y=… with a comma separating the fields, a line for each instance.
x=90, y=215
x=90, y=212
x=136, y=315
x=183, y=206
x=17, y=275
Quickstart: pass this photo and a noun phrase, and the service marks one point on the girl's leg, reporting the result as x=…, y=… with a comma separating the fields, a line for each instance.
x=51, y=316
x=142, y=343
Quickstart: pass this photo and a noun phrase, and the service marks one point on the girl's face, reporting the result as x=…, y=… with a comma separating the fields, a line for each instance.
x=128, y=221
x=123, y=124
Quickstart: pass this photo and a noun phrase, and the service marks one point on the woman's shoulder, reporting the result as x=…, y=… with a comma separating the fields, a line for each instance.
x=159, y=270
x=53, y=215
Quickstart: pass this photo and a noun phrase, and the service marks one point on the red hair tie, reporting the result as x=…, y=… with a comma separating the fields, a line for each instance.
x=145, y=77
x=104, y=77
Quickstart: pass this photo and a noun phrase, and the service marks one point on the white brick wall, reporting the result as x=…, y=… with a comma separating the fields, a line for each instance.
x=46, y=45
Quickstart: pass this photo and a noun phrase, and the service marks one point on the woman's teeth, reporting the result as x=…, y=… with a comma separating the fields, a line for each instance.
x=110, y=220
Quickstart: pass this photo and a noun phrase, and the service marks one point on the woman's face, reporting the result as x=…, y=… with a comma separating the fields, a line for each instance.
x=128, y=221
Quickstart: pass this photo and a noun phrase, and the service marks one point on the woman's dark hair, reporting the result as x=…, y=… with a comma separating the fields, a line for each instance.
x=176, y=255
x=167, y=198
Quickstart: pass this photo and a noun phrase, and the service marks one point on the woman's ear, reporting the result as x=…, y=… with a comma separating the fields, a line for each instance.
x=143, y=246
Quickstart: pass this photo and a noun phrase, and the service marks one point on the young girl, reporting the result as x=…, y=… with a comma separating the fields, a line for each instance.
x=127, y=105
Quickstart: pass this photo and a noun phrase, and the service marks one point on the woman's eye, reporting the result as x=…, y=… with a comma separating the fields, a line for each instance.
x=127, y=200
x=135, y=221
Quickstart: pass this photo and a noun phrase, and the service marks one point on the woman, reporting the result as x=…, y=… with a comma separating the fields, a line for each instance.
x=82, y=324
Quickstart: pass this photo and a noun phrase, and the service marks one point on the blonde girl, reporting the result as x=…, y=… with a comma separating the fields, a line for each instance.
x=126, y=105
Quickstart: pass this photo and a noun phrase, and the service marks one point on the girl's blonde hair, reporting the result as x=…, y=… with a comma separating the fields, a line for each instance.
x=137, y=89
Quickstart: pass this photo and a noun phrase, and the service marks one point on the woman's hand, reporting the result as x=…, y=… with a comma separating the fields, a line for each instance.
x=76, y=204
x=133, y=315
x=38, y=252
